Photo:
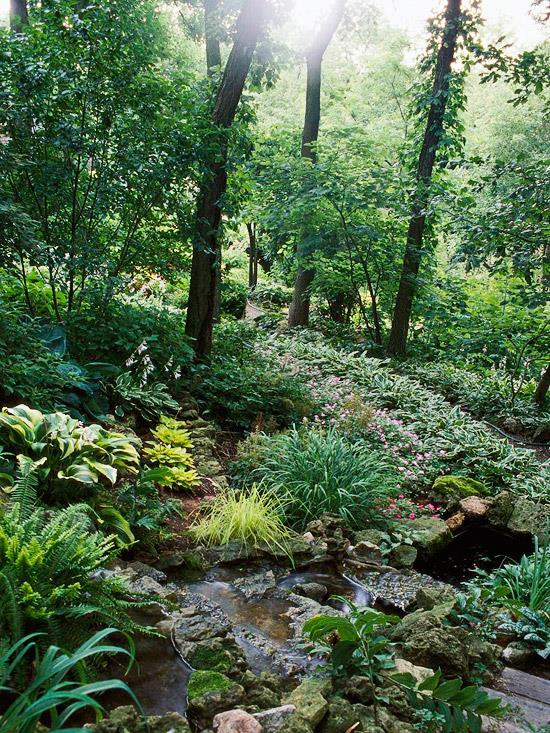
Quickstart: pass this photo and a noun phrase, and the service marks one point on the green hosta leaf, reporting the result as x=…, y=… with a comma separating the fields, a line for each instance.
x=79, y=472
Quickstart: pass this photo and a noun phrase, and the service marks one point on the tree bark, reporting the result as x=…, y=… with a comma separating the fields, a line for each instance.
x=19, y=15
x=432, y=137
x=205, y=267
x=212, y=36
x=298, y=314
x=542, y=387
x=252, y=256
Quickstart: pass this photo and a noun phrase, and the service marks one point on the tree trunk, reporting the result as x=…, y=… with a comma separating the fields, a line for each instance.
x=432, y=137
x=205, y=267
x=212, y=36
x=298, y=314
x=252, y=256
x=19, y=15
x=542, y=387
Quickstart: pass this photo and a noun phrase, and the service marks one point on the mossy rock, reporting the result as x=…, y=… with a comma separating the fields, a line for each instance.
x=210, y=656
x=203, y=681
x=459, y=487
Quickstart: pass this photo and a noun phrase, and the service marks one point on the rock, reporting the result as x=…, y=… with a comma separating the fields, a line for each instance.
x=309, y=699
x=356, y=688
x=202, y=682
x=374, y=536
x=501, y=509
x=365, y=550
x=272, y=720
x=236, y=721
x=308, y=537
x=198, y=628
x=210, y=654
x=403, y=556
x=295, y=724
x=429, y=598
x=430, y=535
x=419, y=673
x=427, y=640
x=316, y=591
x=529, y=517
x=262, y=692
x=257, y=584
x=456, y=521
x=458, y=487
x=474, y=507
x=341, y=716
x=127, y=720
x=519, y=656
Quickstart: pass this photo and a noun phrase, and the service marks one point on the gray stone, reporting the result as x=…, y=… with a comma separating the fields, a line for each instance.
x=529, y=517
x=316, y=591
x=474, y=507
x=365, y=550
x=430, y=535
x=428, y=598
x=519, y=656
x=403, y=556
x=309, y=700
x=272, y=720
x=127, y=720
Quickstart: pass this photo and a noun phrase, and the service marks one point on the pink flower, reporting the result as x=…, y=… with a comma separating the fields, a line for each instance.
x=398, y=516
x=401, y=496
x=411, y=515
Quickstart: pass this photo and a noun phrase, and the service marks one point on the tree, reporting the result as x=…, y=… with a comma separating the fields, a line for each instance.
x=19, y=15
x=298, y=314
x=434, y=131
x=205, y=268
x=543, y=386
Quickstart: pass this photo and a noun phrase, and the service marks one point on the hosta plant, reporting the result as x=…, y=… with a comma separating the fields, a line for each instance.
x=67, y=453
x=146, y=400
x=171, y=452
x=50, y=696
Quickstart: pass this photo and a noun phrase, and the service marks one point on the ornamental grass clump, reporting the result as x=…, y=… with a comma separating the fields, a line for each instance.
x=315, y=471
x=254, y=517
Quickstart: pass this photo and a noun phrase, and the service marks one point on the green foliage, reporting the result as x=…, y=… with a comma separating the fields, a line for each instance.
x=140, y=504
x=66, y=452
x=143, y=335
x=254, y=517
x=233, y=297
x=242, y=386
x=454, y=442
x=314, y=472
x=202, y=681
x=357, y=645
x=49, y=697
x=48, y=562
x=102, y=176
x=172, y=432
x=530, y=627
x=525, y=583
x=145, y=400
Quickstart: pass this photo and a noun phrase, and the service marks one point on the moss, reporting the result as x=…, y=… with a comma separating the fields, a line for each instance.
x=207, y=658
x=204, y=681
x=459, y=487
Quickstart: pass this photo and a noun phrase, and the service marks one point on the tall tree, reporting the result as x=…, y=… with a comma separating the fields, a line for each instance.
x=205, y=267
x=19, y=15
x=298, y=314
x=433, y=135
x=212, y=35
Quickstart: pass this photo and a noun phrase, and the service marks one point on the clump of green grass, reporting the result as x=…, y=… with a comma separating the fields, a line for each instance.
x=314, y=471
x=254, y=517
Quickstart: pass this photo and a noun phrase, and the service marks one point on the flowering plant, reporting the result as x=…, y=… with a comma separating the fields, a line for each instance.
x=401, y=507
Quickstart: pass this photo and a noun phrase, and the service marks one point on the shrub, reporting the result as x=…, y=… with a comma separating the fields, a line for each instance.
x=65, y=452
x=525, y=583
x=146, y=400
x=233, y=297
x=253, y=517
x=48, y=562
x=242, y=385
x=49, y=697
x=315, y=471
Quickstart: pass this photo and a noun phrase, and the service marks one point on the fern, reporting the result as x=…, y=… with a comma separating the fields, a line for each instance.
x=25, y=486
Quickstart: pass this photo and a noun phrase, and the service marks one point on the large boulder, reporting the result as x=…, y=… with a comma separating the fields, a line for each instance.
x=426, y=639
x=430, y=535
x=210, y=693
x=454, y=488
x=529, y=518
